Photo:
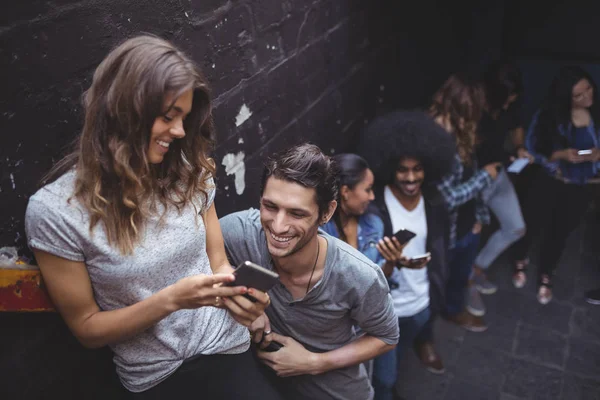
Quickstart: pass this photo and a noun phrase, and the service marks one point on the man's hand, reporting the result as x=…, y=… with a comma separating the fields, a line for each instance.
x=414, y=264
x=258, y=329
x=477, y=228
x=292, y=359
x=245, y=311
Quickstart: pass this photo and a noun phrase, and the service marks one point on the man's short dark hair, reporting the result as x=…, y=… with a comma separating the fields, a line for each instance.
x=306, y=165
x=406, y=134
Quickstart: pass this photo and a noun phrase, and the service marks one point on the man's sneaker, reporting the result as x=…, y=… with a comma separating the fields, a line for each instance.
x=484, y=285
x=593, y=297
x=474, y=302
x=468, y=322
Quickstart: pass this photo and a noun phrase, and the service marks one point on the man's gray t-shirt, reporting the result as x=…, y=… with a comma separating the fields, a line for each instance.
x=352, y=292
x=168, y=251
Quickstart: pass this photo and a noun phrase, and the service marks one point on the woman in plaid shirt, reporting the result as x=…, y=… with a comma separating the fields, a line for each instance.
x=457, y=107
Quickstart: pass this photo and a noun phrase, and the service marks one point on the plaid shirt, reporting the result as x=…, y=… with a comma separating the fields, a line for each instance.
x=456, y=193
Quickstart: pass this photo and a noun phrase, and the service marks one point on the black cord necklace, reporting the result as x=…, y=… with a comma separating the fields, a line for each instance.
x=314, y=266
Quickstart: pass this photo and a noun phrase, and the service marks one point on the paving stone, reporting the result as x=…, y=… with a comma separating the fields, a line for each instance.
x=504, y=396
x=541, y=345
x=508, y=303
x=586, y=323
x=448, y=338
x=584, y=358
x=415, y=382
x=499, y=336
x=554, y=315
x=577, y=388
x=528, y=380
x=478, y=364
x=462, y=390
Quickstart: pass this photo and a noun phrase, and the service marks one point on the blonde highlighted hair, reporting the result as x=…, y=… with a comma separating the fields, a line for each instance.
x=115, y=181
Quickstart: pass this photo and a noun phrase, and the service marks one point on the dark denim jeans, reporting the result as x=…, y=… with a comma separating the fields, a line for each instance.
x=385, y=367
x=460, y=265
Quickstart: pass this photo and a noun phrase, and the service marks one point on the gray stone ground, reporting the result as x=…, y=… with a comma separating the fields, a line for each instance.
x=530, y=351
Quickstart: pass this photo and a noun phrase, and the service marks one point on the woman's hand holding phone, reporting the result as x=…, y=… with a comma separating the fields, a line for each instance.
x=202, y=290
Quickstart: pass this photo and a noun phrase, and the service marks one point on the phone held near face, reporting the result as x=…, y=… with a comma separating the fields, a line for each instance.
x=254, y=276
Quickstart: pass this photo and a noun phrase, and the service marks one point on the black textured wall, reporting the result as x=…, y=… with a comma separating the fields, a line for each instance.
x=282, y=71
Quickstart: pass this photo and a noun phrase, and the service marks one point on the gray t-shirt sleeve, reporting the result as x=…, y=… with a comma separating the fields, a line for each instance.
x=49, y=230
x=208, y=199
x=234, y=235
x=375, y=314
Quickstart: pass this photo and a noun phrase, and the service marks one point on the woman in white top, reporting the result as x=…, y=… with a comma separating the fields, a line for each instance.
x=127, y=237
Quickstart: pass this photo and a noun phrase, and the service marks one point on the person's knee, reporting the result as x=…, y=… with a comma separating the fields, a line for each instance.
x=519, y=233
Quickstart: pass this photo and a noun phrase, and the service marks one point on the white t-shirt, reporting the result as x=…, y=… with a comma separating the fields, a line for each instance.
x=168, y=251
x=412, y=294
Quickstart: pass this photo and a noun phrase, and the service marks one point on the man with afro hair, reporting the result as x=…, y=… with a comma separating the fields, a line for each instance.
x=408, y=152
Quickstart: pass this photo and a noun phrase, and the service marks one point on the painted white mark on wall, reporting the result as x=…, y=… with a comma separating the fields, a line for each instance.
x=243, y=115
x=234, y=165
x=12, y=180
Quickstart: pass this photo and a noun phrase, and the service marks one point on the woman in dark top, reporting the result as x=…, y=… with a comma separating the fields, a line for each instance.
x=563, y=137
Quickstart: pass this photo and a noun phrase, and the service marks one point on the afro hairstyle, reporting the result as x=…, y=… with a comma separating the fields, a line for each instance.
x=402, y=134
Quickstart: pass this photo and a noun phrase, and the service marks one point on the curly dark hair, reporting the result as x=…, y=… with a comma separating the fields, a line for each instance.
x=402, y=134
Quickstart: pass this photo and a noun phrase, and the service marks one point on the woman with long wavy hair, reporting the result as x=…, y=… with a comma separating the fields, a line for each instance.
x=563, y=137
x=457, y=107
x=127, y=238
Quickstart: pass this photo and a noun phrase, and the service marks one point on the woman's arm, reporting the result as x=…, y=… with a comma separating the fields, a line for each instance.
x=242, y=309
x=70, y=288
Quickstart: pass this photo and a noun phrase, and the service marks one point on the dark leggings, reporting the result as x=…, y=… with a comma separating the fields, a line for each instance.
x=553, y=209
x=220, y=376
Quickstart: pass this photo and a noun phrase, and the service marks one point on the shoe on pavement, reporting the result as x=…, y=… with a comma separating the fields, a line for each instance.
x=468, y=321
x=429, y=357
x=474, y=302
x=483, y=285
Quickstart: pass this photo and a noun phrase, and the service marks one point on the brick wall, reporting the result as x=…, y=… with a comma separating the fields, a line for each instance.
x=282, y=71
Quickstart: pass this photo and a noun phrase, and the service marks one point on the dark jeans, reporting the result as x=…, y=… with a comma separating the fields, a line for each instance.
x=460, y=263
x=554, y=209
x=385, y=366
x=220, y=376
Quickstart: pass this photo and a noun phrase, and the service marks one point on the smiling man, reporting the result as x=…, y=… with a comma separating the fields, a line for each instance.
x=408, y=152
x=326, y=286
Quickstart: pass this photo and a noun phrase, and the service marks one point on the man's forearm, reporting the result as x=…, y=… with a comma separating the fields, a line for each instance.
x=363, y=349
